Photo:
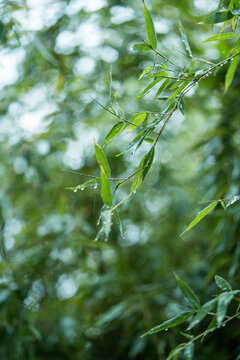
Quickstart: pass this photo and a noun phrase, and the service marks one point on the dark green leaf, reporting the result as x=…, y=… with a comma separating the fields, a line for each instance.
x=176, y=320
x=222, y=283
x=175, y=352
x=142, y=47
x=150, y=27
x=223, y=303
x=101, y=159
x=231, y=72
x=202, y=313
x=181, y=105
x=200, y=216
x=105, y=188
x=143, y=169
x=188, y=293
x=185, y=39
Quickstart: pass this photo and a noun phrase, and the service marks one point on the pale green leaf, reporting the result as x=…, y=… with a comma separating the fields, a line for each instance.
x=101, y=159
x=145, y=71
x=105, y=188
x=150, y=27
x=223, y=302
x=137, y=119
x=189, y=351
x=222, y=283
x=224, y=36
x=149, y=87
x=106, y=217
x=176, y=320
x=115, y=130
x=231, y=72
x=142, y=47
x=91, y=183
x=185, y=39
x=200, y=216
x=188, y=293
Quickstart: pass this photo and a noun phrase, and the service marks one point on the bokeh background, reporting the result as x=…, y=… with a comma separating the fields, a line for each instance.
x=62, y=295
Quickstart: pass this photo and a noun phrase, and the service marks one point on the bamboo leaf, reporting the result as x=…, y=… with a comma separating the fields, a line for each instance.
x=189, y=351
x=175, y=352
x=149, y=87
x=231, y=72
x=223, y=303
x=202, y=313
x=178, y=91
x=185, y=39
x=143, y=169
x=176, y=320
x=105, y=188
x=101, y=159
x=188, y=293
x=200, y=216
x=222, y=283
x=218, y=17
x=150, y=27
x=91, y=183
x=224, y=36
x=137, y=119
x=142, y=47
x=162, y=87
x=106, y=217
x=115, y=130
x=145, y=71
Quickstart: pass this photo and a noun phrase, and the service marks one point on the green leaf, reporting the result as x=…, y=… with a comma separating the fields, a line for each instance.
x=223, y=303
x=181, y=105
x=149, y=87
x=218, y=17
x=101, y=159
x=176, y=320
x=119, y=222
x=231, y=72
x=175, y=352
x=162, y=87
x=115, y=130
x=185, y=39
x=105, y=188
x=150, y=27
x=189, y=351
x=238, y=358
x=178, y=91
x=200, y=216
x=222, y=283
x=106, y=217
x=137, y=119
x=143, y=169
x=202, y=313
x=188, y=293
x=142, y=47
x=91, y=183
x=224, y=36
x=145, y=71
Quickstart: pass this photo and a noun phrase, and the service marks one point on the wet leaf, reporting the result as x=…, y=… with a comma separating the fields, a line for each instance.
x=105, y=188
x=150, y=27
x=188, y=293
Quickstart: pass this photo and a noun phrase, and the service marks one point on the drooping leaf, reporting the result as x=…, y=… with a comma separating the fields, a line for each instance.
x=185, y=39
x=145, y=71
x=137, y=119
x=181, y=105
x=189, y=351
x=115, y=130
x=188, y=293
x=149, y=87
x=142, y=47
x=162, y=87
x=150, y=27
x=91, y=183
x=202, y=313
x=175, y=352
x=105, y=188
x=106, y=217
x=200, y=216
x=224, y=36
x=143, y=169
x=223, y=302
x=176, y=320
x=222, y=283
x=179, y=90
x=231, y=72
x=218, y=17
x=119, y=222
x=101, y=159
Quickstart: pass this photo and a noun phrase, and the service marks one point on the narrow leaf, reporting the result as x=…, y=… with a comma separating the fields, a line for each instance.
x=176, y=320
x=115, y=130
x=101, y=159
x=175, y=352
x=202, y=313
x=200, y=216
x=231, y=72
x=222, y=283
x=91, y=183
x=142, y=169
x=189, y=351
x=218, y=17
x=224, y=36
x=106, y=217
x=105, y=188
x=150, y=27
x=188, y=293
x=145, y=71
x=223, y=303
x=149, y=87
x=137, y=119
x=142, y=47
x=178, y=91
x=185, y=39
x=162, y=87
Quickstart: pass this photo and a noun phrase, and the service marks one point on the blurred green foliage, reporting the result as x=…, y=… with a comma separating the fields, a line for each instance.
x=62, y=294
